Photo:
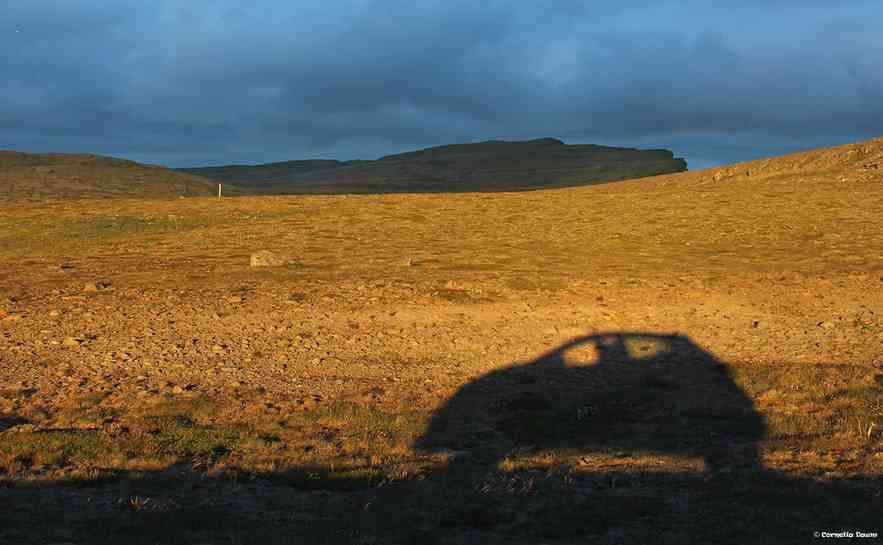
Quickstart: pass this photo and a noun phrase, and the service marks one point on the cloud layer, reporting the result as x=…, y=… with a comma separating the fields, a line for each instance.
x=200, y=82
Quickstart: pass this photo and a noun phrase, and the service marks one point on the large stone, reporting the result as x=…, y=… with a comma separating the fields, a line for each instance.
x=266, y=258
x=96, y=286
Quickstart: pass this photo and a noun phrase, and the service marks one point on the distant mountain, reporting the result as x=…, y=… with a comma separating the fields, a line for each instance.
x=485, y=166
x=71, y=176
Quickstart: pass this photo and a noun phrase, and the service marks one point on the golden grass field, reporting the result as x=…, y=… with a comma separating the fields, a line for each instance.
x=687, y=358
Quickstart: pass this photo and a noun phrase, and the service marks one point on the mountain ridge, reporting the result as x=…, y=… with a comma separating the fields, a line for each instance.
x=492, y=165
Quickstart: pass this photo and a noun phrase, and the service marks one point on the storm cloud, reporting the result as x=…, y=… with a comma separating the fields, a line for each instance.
x=214, y=82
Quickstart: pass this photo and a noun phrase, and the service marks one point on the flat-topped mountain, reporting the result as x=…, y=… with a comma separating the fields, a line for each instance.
x=63, y=175
x=485, y=166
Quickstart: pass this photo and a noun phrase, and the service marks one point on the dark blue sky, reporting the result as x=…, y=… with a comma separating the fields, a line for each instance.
x=201, y=82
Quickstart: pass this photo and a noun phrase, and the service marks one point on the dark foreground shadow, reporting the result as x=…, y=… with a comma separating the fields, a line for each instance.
x=609, y=415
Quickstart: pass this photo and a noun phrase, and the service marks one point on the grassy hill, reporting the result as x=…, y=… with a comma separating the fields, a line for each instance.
x=71, y=176
x=484, y=166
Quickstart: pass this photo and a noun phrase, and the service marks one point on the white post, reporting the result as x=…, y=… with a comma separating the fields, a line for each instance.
x=219, y=190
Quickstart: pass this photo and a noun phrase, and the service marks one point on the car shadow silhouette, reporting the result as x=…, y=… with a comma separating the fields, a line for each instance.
x=628, y=395
x=623, y=391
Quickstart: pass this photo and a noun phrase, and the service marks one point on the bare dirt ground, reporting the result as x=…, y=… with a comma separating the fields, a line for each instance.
x=688, y=358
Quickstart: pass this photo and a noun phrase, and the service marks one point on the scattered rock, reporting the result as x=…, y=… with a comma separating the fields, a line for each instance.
x=71, y=341
x=14, y=317
x=826, y=324
x=266, y=258
x=718, y=176
x=54, y=313
x=234, y=299
x=96, y=286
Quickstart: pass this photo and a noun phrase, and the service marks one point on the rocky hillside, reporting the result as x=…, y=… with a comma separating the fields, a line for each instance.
x=485, y=166
x=862, y=162
x=70, y=176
